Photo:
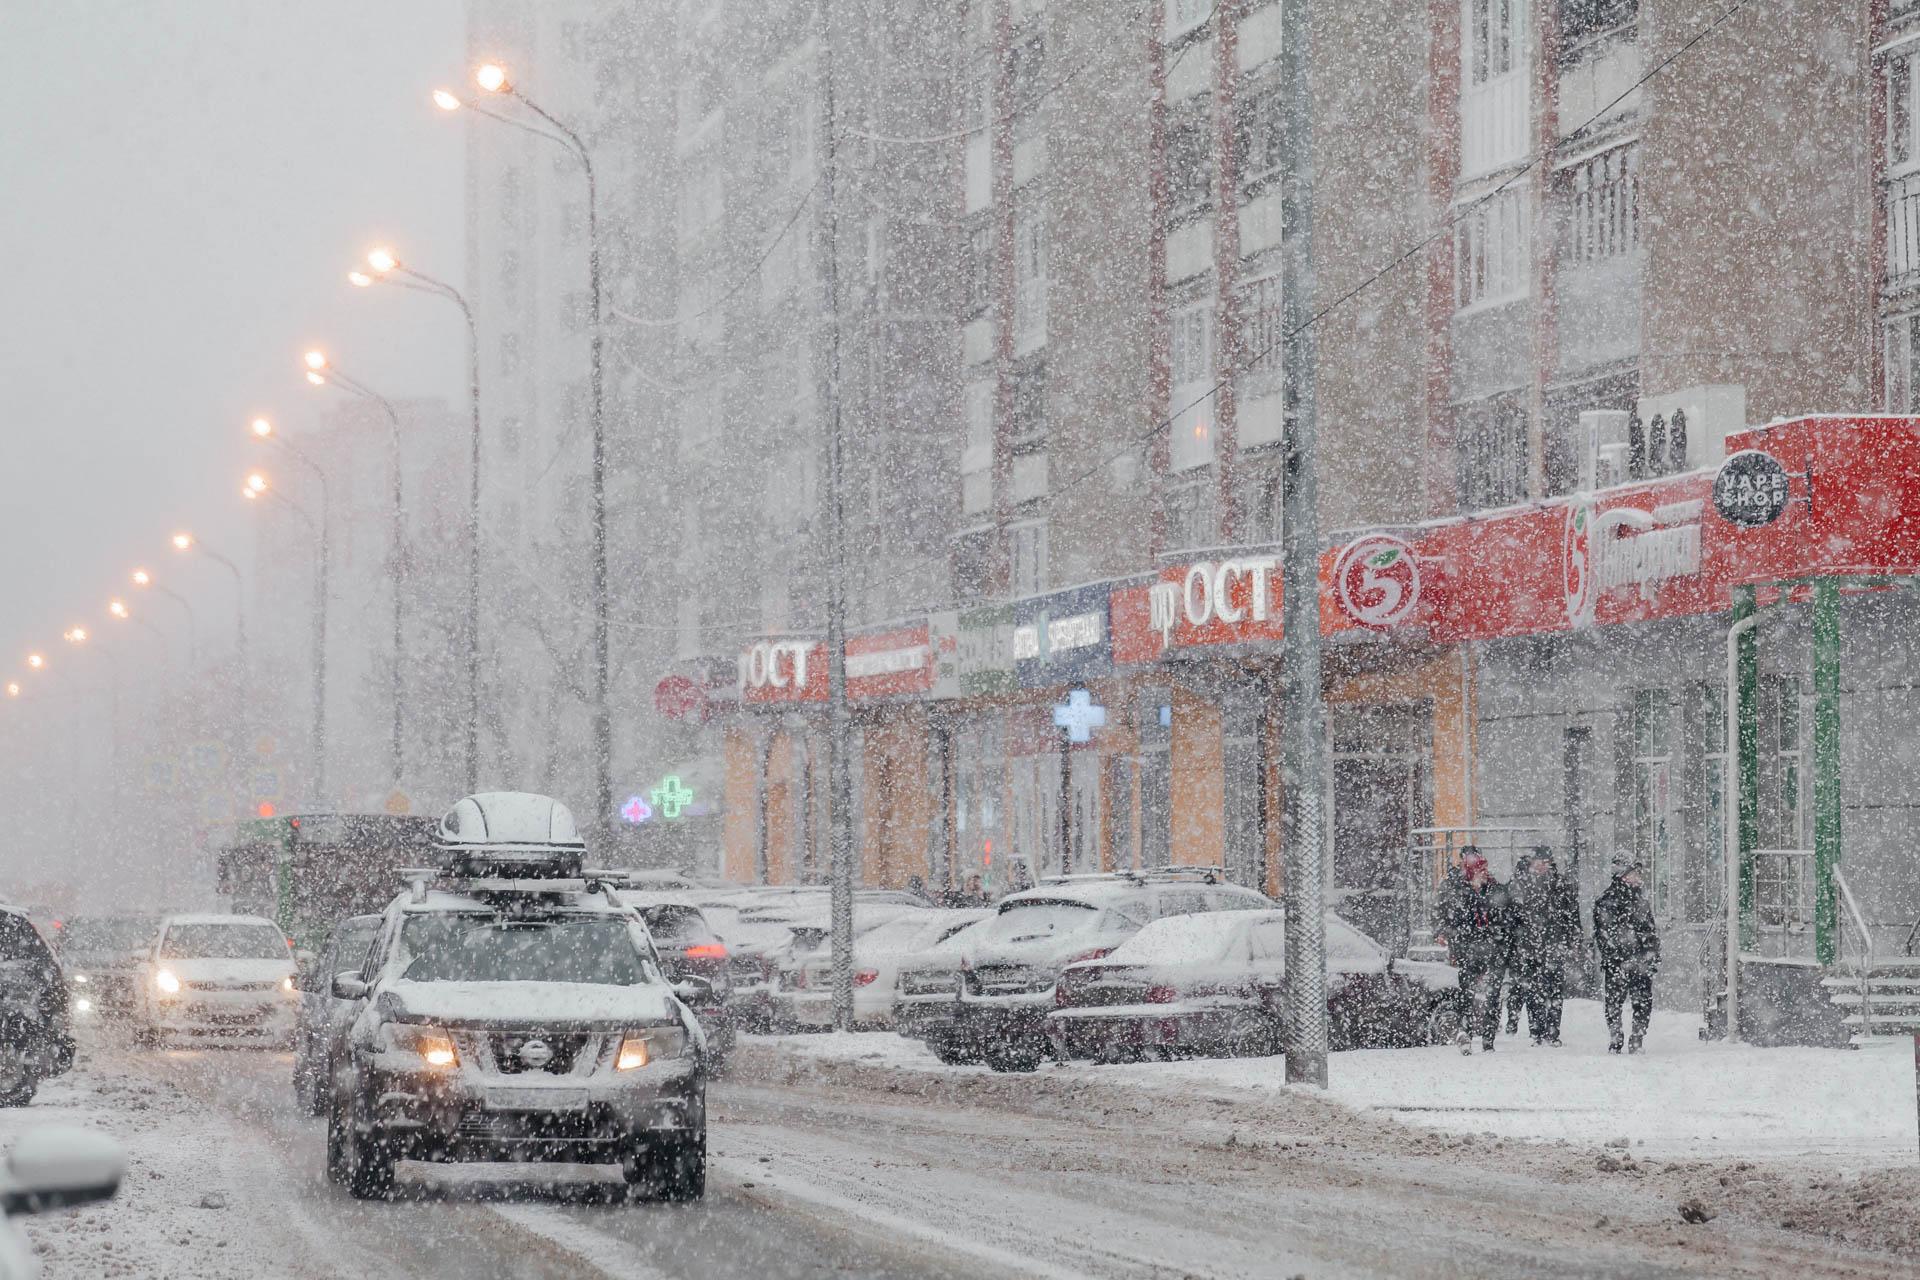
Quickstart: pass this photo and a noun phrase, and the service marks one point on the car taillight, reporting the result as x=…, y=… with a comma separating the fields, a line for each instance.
x=864, y=976
x=707, y=951
x=1161, y=995
x=1095, y=954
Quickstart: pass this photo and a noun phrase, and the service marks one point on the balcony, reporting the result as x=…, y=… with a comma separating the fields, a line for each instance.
x=1903, y=231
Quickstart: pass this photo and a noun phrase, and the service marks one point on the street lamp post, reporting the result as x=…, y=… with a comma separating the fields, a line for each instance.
x=386, y=265
x=253, y=493
x=118, y=609
x=237, y=733
x=493, y=79
x=321, y=373
x=143, y=579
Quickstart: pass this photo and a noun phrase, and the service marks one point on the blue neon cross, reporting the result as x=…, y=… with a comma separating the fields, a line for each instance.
x=1079, y=715
x=670, y=797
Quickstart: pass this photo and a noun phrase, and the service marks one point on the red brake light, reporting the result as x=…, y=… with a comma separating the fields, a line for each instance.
x=707, y=951
x=1161, y=995
x=1095, y=954
x=865, y=976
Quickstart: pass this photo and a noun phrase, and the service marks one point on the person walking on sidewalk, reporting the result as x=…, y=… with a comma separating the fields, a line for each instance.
x=1546, y=930
x=1625, y=935
x=1478, y=936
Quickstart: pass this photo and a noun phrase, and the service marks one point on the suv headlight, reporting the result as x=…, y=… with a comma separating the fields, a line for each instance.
x=434, y=1046
x=650, y=1044
x=167, y=982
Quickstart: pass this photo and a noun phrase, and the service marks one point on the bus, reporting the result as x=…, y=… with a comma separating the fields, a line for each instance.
x=308, y=870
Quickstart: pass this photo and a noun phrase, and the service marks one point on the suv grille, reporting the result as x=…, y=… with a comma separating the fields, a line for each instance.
x=506, y=1052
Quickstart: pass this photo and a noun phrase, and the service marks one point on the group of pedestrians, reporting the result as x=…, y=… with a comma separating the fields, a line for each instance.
x=1515, y=940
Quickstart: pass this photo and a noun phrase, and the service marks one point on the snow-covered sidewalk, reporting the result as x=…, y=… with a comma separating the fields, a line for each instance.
x=1684, y=1097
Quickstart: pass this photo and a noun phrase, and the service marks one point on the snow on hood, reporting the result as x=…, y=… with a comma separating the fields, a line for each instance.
x=535, y=1001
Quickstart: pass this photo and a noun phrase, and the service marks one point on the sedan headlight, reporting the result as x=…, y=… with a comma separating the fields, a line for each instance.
x=80, y=978
x=434, y=1046
x=167, y=982
x=286, y=985
x=651, y=1044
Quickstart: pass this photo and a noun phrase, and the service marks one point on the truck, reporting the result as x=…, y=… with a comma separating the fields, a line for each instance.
x=307, y=870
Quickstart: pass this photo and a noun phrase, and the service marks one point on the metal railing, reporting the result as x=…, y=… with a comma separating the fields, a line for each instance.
x=1903, y=226
x=1864, y=962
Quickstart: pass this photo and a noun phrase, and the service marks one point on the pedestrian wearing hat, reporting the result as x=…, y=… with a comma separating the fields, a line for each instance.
x=1477, y=928
x=1628, y=941
x=1546, y=932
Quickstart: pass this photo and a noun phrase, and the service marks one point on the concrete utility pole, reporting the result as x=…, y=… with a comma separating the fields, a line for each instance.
x=839, y=719
x=1303, y=744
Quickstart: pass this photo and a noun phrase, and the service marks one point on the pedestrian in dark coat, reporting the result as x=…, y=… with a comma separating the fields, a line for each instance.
x=1477, y=929
x=1546, y=930
x=1628, y=941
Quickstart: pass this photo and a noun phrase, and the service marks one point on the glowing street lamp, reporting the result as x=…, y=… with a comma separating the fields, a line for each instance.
x=118, y=608
x=492, y=77
x=183, y=542
x=445, y=101
x=37, y=661
x=261, y=427
x=144, y=580
x=75, y=634
x=13, y=688
x=316, y=360
x=382, y=260
x=257, y=481
x=359, y=279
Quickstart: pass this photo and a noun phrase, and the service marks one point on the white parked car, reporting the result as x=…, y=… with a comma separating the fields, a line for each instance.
x=805, y=998
x=218, y=975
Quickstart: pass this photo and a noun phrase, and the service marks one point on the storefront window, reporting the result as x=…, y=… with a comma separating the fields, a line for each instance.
x=1781, y=760
x=1715, y=760
x=1653, y=792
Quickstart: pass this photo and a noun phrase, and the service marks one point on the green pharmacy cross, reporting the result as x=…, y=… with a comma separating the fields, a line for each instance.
x=670, y=798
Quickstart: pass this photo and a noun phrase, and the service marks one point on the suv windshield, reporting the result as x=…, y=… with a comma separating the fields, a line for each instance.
x=221, y=941
x=1027, y=921
x=106, y=934
x=477, y=948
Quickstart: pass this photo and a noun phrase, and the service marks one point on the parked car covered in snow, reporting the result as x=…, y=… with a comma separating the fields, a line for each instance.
x=765, y=928
x=805, y=995
x=993, y=1003
x=1214, y=985
x=320, y=1016
x=688, y=947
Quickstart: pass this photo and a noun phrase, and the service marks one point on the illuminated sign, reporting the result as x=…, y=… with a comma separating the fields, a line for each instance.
x=670, y=798
x=635, y=811
x=1080, y=715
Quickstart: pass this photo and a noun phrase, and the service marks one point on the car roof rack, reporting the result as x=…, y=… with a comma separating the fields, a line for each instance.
x=1143, y=875
x=486, y=882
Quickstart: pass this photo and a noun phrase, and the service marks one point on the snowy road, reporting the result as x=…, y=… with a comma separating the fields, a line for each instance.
x=864, y=1173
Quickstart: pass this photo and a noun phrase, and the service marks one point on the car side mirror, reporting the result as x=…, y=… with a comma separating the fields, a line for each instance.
x=348, y=986
x=692, y=990
x=59, y=1166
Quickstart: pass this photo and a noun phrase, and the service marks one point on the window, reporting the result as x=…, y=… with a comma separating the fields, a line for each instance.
x=1494, y=38
x=1714, y=755
x=1190, y=513
x=1029, y=404
x=1027, y=72
x=977, y=454
x=1030, y=279
x=1190, y=154
x=1262, y=326
x=1261, y=490
x=1027, y=546
x=1192, y=346
x=1903, y=373
x=1184, y=15
x=1653, y=774
x=1262, y=131
x=1901, y=83
x=1490, y=250
x=1492, y=453
x=1604, y=206
x=1581, y=19
x=979, y=295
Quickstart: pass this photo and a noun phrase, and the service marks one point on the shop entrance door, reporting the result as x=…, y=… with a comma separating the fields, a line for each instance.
x=1380, y=795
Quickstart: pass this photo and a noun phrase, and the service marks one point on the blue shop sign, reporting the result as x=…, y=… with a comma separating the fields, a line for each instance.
x=1063, y=638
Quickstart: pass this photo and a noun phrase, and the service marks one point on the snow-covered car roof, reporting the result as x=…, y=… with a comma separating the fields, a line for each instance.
x=1119, y=890
x=217, y=918
x=1189, y=939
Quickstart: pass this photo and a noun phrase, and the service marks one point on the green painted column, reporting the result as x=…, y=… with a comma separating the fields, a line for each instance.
x=1826, y=768
x=1747, y=767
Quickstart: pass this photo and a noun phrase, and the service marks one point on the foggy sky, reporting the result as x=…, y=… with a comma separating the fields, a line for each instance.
x=183, y=186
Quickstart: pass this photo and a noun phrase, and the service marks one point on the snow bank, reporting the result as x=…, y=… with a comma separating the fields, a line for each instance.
x=1684, y=1097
